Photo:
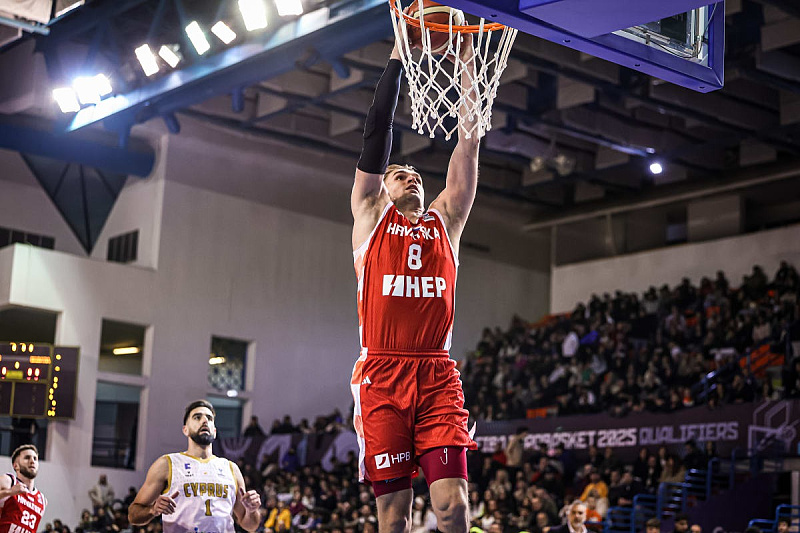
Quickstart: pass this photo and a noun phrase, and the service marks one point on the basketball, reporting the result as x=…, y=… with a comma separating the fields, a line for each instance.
x=433, y=12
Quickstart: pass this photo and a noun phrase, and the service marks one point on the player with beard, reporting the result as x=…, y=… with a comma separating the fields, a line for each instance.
x=22, y=504
x=194, y=490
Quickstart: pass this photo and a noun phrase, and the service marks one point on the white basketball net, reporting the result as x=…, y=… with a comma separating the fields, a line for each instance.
x=435, y=82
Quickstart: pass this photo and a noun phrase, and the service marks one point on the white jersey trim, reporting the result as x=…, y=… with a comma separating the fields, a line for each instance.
x=444, y=226
x=365, y=245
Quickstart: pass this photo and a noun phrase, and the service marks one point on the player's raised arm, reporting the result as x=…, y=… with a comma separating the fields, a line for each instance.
x=247, y=509
x=150, y=502
x=369, y=196
x=455, y=201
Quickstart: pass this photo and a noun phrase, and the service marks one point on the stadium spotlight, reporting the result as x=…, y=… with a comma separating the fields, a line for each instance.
x=223, y=31
x=170, y=55
x=656, y=168
x=147, y=60
x=254, y=14
x=197, y=37
x=66, y=99
x=289, y=7
x=90, y=89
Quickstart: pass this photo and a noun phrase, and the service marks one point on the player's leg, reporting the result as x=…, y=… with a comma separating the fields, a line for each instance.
x=442, y=439
x=446, y=471
x=386, y=407
x=394, y=508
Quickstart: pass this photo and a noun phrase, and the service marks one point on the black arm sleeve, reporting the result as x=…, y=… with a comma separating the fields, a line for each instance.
x=378, y=126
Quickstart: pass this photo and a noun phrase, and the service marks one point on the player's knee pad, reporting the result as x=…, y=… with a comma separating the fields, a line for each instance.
x=444, y=463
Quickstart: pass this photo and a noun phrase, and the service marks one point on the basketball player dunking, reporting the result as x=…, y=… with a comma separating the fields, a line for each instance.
x=409, y=406
x=194, y=490
x=22, y=504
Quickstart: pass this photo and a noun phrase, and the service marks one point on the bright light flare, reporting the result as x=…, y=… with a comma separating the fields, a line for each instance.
x=66, y=99
x=147, y=60
x=254, y=14
x=225, y=34
x=656, y=168
x=169, y=55
x=90, y=89
x=198, y=37
x=216, y=360
x=289, y=7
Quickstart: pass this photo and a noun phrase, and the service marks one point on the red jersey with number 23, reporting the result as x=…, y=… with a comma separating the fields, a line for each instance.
x=406, y=284
x=22, y=512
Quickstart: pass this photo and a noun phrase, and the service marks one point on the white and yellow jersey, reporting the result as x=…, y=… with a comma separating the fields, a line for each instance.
x=207, y=490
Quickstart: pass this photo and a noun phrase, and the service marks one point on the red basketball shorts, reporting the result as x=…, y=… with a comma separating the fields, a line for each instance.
x=405, y=405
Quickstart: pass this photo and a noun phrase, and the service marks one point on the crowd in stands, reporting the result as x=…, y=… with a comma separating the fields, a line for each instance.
x=512, y=491
x=626, y=352
x=618, y=354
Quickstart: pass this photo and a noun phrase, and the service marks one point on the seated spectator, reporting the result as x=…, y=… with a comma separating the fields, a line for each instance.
x=673, y=472
x=279, y=518
x=694, y=458
x=597, y=485
x=622, y=495
x=423, y=519
x=593, y=513
x=652, y=526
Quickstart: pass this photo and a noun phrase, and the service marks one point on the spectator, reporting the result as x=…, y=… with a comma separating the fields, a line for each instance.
x=515, y=451
x=652, y=526
x=783, y=525
x=422, y=518
x=622, y=495
x=253, y=429
x=101, y=494
x=694, y=458
x=681, y=523
x=593, y=514
x=279, y=518
x=674, y=472
x=696, y=528
x=597, y=485
x=576, y=519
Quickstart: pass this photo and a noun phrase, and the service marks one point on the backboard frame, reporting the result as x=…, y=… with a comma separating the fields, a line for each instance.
x=618, y=49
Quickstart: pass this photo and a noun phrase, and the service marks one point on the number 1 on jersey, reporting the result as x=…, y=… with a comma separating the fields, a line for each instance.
x=208, y=507
x=414, y=256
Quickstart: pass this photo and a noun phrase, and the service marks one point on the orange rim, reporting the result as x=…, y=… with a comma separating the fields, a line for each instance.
x=445, y=28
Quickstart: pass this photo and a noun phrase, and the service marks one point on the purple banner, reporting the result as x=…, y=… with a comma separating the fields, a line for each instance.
x=763, y=426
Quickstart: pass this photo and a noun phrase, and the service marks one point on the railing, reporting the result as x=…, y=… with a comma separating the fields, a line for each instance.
x=785, y=512
x=782, y=512
x=756, y=360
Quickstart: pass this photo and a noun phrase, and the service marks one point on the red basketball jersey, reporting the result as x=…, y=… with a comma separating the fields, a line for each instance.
x=22, y=513
x=406, y=284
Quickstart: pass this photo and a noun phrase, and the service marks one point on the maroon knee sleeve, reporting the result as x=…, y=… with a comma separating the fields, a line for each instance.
x=391, y=485
x=444, y=463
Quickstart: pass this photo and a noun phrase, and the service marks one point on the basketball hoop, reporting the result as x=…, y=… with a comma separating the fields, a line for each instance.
x=435, y=79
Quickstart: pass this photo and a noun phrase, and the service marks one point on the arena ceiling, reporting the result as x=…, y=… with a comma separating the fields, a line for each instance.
x=573, y=135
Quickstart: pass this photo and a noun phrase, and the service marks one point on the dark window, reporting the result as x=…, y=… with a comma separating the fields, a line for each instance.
x=123, y=248
x=13, y=236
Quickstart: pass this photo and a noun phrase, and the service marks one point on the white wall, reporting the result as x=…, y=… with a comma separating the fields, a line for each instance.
x=735, y=256
x=232, y=265
x=25, y=205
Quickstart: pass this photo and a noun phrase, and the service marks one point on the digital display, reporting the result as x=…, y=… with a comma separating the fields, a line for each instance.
x=38, y=380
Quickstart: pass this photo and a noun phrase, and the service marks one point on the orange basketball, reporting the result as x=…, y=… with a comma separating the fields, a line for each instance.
x=436, y=13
